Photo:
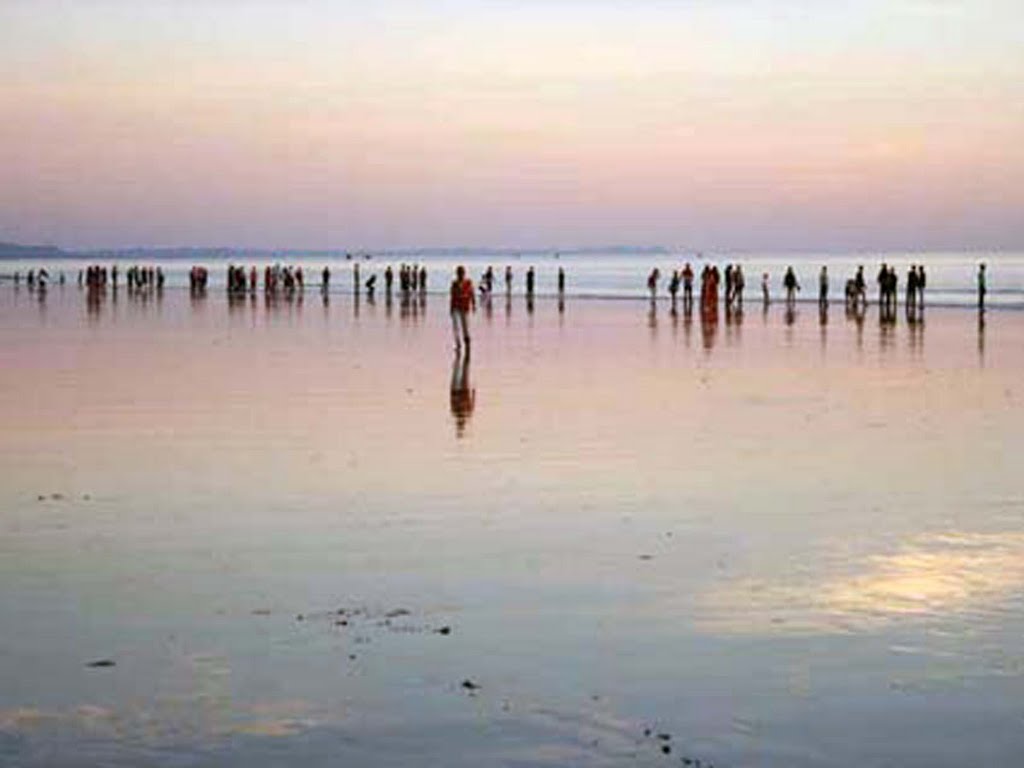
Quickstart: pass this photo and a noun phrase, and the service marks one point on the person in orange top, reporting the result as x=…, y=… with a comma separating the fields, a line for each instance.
x=463, y=300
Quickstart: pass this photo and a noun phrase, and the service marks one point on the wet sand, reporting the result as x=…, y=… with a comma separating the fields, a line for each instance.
x=777, y=541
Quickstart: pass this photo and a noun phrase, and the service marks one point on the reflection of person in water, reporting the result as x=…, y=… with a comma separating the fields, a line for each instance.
x=463, y=396
x=709, y=314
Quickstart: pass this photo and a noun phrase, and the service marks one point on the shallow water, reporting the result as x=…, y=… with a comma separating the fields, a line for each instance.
x=778, y=541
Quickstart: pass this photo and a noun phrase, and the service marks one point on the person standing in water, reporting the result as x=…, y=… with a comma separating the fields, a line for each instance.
x=561, y=282
x=687, y=276
x=529, y=282
x=982, y=287
x=823, y=288
x=765, y=298
x=462, y=302
x=791, y=285
x=652, y=282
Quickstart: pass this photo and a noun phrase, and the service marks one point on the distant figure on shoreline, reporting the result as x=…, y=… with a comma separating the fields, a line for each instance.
x=982, y=287
x=888, y=285
x=823, y=288
x=738, y=283
x=508, y=280
x=687, y=287
x=765, y=296
x=673, y=287
x=561, y=282
x=791, y=285
x=911, y=300
x=461, y=302
x=530, y=277
x=856, y=290
x=652, y=283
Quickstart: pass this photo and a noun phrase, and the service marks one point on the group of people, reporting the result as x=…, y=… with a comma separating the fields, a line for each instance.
x=198, y=278
x=138, y=278
x=856, y=287
x=36, y=280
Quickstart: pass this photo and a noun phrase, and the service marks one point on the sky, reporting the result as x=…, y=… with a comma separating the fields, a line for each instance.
x=702, y=124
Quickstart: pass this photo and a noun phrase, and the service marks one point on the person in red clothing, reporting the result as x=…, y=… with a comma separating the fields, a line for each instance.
x=463, y=300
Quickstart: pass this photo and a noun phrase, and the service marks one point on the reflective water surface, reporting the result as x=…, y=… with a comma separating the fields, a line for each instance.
x=257, y=532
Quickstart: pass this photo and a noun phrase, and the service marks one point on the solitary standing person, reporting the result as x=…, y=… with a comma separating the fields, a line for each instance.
x=982, y=287
x=463, y=300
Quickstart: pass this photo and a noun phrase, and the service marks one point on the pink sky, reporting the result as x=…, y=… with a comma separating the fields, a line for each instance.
x=709, y=125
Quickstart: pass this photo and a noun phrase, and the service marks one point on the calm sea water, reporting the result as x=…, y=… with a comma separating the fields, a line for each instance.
x=262, y=533
x=952, y=277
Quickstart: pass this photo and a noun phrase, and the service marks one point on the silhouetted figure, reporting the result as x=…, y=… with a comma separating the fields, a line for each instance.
x=982, y=287
x=738, y=284
x=325, y=279
x=789, y=282
x=389, y=279
x=652, y=283
x=891, y=289
x=529, y=282
x=911, y=301
x=508, y=281
x=423, y=280
x=371, y=283
x=673, y=287
x=823, y=288
x=561, y=282
x=462, y=300
x=687, y=276
x=765, y=295
x=462, y=398
x=921, y=281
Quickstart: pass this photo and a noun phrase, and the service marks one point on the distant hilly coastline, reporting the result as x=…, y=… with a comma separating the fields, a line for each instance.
x=11, y=251
x=15, y=251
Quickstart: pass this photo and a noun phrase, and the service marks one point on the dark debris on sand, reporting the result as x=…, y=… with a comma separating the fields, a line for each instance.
x=663, y=741
x=101, y=663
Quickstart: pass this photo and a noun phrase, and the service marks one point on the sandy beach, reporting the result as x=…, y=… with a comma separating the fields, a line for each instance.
x=235, y=532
